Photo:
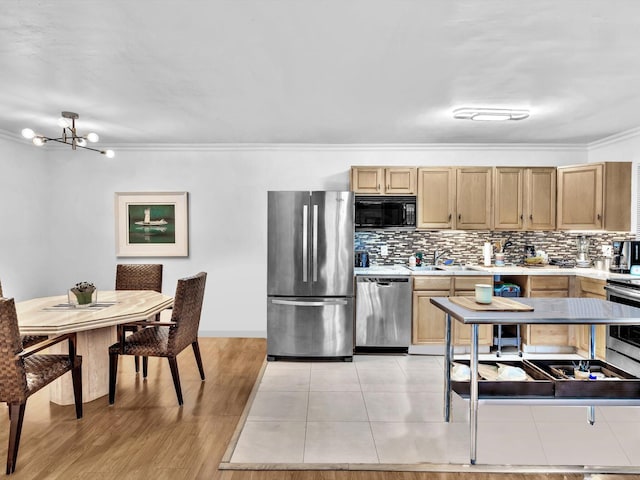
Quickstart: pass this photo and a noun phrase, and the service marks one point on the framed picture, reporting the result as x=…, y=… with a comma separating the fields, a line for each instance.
x=151, y=224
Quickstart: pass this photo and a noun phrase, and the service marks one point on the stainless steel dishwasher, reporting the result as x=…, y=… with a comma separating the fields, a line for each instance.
x=383, y=313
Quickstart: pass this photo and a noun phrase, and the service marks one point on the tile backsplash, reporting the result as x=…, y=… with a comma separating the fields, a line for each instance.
x=466, y=246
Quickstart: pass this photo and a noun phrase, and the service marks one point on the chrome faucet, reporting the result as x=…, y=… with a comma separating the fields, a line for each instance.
x=437, y=254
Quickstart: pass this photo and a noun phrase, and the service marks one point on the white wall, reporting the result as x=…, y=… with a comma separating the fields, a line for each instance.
x=24, y=227
x=227, y=212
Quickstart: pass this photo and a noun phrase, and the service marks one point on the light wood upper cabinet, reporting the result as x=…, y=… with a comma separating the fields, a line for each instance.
x=595, y=196
x=524, y=198
x=436, y=197
x=540, y=199
x=508, y=196
x=474, y=187
x=384, y=180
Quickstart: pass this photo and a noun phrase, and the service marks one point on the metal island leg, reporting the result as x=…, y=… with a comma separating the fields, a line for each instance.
x=473, y=393
x=448, y=357
x=591, y=413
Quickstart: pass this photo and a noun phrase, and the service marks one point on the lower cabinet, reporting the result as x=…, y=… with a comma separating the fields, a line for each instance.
x=465, y=286
x=544, y=337
x=590, y=288
x=429, y=321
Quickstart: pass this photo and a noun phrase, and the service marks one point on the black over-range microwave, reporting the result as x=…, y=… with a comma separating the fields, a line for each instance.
x=385, y=212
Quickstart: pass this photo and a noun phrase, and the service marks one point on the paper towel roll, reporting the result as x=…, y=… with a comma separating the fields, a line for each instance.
x=486, y=252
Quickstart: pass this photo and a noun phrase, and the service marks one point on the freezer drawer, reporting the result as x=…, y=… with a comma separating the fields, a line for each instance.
x=383, y=312
x=309, y=327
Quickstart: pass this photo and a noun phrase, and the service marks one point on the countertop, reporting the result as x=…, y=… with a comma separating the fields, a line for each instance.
x=378, y=270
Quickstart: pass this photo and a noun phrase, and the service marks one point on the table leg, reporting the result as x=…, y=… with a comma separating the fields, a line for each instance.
x=591, y=412
x=448, y=357
x=93, y=345
x=473, y=393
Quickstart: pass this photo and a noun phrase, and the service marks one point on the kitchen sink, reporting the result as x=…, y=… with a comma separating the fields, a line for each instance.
x=425, y=268
x=441, y=268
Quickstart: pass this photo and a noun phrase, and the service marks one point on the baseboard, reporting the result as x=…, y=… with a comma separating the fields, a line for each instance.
x=233, y=333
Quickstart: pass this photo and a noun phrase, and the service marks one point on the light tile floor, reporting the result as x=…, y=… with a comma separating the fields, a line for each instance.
x=388, y=409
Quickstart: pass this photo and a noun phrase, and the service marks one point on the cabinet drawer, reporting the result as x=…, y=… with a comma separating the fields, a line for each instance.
x=432, y=283
x=549, y=293
x=549, y=282
x=469, y=283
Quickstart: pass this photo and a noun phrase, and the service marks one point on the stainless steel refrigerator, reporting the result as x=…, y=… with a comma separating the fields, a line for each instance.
x=310, y=275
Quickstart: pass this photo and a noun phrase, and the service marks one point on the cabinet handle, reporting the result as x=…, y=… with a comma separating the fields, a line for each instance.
x=449, y=217
x=378, y=186
x=388, y=187
x=599, y=216
x=459, y=216
x=521, y=217
x=531, y=217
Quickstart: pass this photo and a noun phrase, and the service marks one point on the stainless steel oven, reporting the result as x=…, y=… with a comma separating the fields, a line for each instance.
x=623, y=341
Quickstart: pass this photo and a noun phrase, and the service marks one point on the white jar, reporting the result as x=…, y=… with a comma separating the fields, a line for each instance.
x=412, y=261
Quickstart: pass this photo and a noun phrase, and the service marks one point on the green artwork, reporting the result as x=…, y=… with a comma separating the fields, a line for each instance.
x=152, y=223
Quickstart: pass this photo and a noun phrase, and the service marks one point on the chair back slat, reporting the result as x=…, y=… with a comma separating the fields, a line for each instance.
x=187, y=307
x=13, y=380
x=139, y=277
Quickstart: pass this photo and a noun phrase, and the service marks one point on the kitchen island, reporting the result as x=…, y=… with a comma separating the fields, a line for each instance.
x=589, y=311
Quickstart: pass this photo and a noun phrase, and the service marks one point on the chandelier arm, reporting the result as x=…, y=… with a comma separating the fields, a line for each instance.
x=61, y=140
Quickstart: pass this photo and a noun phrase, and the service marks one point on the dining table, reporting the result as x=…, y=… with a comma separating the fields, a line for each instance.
x=95, y=326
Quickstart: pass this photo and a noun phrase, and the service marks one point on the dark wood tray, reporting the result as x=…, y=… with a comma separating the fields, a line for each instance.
x=541, y=386
x=624, y=386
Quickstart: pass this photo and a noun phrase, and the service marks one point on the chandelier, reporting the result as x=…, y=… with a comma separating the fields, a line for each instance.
x=69, y=135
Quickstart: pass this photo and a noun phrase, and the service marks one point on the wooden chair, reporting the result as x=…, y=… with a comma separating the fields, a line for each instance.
x=139, y=276
x=165, y=339
x=23, y=373
x=28, y=340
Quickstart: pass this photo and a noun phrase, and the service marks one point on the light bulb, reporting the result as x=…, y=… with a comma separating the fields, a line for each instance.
x=109, y=153
x=64, y=122
x=81, y=142
x=93, y=137
x=28, y=133
x=38, y=141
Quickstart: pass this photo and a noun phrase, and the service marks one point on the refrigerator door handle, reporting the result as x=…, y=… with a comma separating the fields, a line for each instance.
x=315, y=243
x=305, y=241
x=315, y=303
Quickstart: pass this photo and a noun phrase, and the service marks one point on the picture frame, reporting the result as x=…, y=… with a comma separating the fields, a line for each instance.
x=151, y=224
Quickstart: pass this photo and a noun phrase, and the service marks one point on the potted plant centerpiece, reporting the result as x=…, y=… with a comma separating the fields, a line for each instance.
x=84, y=293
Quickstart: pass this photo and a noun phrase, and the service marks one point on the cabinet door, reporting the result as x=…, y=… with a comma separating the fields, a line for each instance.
x=548, y=334
x=400, y=181
x=580, y=197
x=540, y=199
x=428, y=320
x=436, y=197
x=462, y=333
x=592, y=288
x=368, y=180
x=473, y=198
x=508, y=195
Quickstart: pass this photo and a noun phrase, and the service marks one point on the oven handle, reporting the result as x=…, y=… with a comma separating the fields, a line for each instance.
x=622, y=292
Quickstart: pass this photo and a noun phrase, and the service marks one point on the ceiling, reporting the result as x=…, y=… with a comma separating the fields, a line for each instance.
x=320, y=71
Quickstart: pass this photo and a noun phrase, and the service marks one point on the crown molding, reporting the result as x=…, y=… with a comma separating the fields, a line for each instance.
x=616, y=138
x=337, y=147
x=320, y=147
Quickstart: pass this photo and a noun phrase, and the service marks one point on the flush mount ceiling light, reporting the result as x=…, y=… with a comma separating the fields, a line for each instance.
x=69, y=135
x=490, y=114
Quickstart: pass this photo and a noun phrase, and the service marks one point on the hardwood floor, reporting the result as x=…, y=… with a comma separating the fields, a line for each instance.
x=145, y=435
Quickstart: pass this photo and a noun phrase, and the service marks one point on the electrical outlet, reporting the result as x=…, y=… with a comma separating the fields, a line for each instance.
x=607, y=250
x=384, y=250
